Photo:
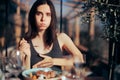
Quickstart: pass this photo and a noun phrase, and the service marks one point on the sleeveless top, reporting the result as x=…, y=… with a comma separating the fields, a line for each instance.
x=54, y=53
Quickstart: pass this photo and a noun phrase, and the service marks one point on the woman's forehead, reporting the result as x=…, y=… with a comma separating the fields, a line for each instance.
x=44, y=7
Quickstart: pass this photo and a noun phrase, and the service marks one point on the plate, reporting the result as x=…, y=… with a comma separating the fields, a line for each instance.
x=26, y=73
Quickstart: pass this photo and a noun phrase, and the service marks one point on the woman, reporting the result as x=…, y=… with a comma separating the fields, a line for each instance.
x=42, y=45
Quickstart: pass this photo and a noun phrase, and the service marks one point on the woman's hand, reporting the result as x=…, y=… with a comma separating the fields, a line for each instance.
x=46, y=62
x=25, y=47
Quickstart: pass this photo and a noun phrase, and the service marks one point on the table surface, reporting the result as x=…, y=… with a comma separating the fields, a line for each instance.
x=86, y=78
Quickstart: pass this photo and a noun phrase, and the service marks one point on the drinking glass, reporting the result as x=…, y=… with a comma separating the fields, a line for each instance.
x=16, y=59
x=75, y=72
x=15, y=63
x=78, y=69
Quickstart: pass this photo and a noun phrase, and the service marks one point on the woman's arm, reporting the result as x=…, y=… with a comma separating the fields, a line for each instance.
x=63, y=61
x=49, y=62
x=67, y=44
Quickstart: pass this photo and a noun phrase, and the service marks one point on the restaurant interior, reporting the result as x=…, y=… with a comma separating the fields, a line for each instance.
x=93, y=25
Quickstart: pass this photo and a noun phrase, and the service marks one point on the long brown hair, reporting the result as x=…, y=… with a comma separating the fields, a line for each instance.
x=50, y=33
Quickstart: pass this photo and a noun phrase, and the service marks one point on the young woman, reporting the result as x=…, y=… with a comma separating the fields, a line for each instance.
x=42, y=46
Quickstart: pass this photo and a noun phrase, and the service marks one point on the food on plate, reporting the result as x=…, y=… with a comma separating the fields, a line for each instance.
x=40, y=74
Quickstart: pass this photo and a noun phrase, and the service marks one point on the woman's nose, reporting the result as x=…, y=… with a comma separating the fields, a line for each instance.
x=43, y=18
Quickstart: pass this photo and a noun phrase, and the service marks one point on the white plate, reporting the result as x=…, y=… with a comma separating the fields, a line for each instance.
x=27, y=72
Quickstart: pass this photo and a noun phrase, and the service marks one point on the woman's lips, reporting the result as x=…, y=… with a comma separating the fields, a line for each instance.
x=42, y=24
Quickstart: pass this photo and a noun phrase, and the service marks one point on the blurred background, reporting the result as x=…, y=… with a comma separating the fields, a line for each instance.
x=93, y=25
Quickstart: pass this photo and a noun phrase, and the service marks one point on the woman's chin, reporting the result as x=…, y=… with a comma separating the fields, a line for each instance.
x=42, y=28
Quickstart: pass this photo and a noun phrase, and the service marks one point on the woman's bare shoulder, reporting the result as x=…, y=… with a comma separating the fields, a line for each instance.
x=62, y=38
x=62, y=35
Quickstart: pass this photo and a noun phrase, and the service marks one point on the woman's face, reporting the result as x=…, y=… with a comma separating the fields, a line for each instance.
x=43, y=17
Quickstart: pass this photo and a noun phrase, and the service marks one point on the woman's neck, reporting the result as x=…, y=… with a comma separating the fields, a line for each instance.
x=41, y=34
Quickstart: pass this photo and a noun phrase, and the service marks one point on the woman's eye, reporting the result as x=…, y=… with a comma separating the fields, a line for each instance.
x=48, y=14
x=38, y=13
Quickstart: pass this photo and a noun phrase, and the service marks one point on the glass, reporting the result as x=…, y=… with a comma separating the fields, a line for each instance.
x=75, y=72
x=14, y=66
x=15, y=58
x=78, y=68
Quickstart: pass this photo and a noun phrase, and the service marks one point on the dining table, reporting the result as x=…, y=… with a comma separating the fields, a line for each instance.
x=12, y=75
x=21, y=77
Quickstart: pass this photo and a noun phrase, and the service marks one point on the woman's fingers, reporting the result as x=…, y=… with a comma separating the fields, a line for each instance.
x=24, y=47
x=23, y=41
x=47, y=62
x=24, y=44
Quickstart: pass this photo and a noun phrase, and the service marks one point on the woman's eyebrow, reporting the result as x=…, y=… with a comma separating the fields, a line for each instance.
x=38, y=11
x=41, y=11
